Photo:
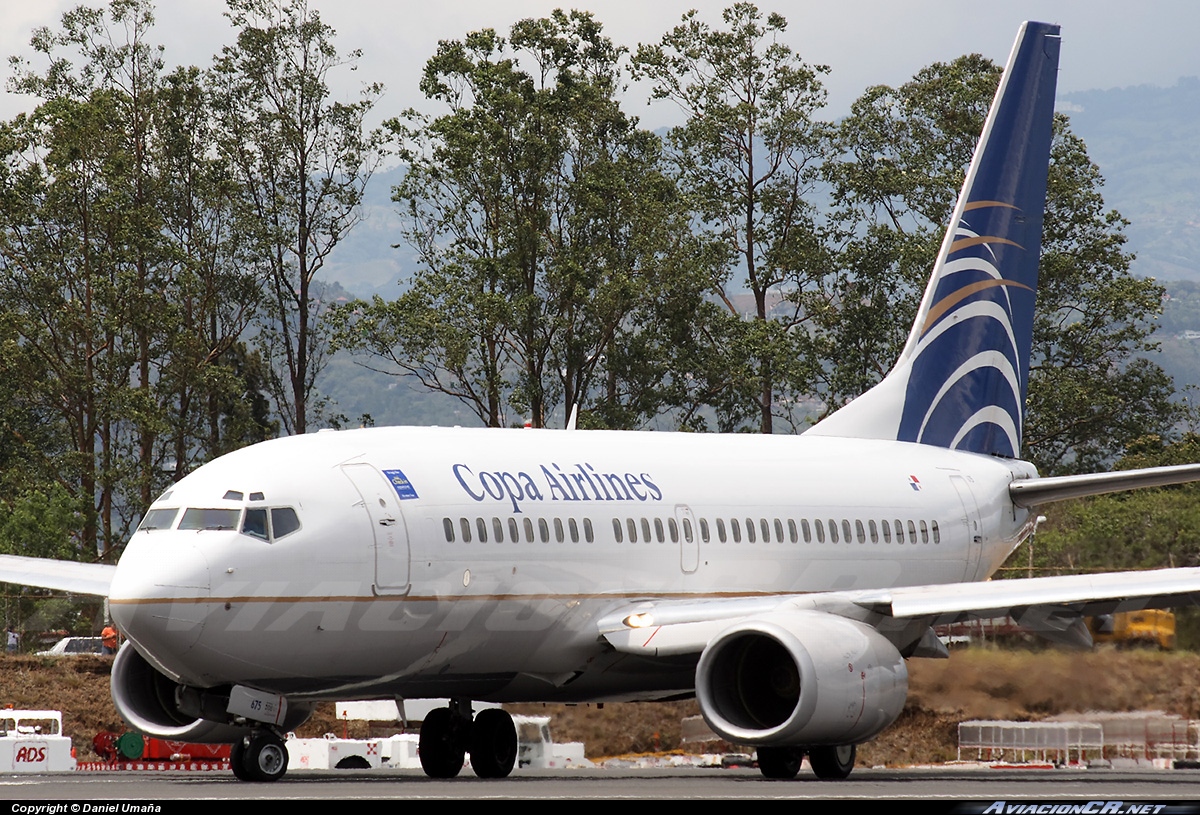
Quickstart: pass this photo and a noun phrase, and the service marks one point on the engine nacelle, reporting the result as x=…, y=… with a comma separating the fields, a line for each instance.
x=803, y=678
x=156, y=705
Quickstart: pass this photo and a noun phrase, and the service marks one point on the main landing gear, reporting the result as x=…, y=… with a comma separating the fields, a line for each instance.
x=828, y=763
x=448, y=734
x=261, y=756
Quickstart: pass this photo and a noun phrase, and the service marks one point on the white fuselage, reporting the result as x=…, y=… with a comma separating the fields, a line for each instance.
x=479, y=564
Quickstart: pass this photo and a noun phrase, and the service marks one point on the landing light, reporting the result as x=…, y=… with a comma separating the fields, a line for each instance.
x=643, y=620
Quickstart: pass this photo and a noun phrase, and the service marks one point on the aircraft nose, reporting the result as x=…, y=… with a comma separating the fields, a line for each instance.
x=159, y=592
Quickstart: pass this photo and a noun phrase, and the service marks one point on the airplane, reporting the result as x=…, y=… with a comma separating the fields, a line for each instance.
x=782, y=580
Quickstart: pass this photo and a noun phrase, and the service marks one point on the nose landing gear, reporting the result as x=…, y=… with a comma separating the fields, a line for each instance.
x=448, y=734
x=261, y=756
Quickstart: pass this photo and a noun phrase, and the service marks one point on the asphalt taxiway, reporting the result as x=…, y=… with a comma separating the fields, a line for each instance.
x=953, y=784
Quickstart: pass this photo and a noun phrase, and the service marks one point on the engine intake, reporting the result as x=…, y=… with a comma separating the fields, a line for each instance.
x=801, y=678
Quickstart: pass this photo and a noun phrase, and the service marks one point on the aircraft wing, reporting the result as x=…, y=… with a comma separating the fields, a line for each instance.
x=1051, y=606
x=62, y=575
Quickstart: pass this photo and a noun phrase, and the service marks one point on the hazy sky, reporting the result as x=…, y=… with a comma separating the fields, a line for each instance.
x=1106, y=43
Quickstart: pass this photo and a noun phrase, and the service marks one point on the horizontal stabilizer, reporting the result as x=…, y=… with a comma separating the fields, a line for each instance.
x=1037, y=491
x=61, y=575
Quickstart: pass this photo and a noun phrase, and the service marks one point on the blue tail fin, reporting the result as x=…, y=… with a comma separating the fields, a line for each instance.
x=962, y=378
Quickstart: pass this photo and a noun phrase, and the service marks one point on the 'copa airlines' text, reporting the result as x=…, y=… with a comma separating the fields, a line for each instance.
x=577, y=482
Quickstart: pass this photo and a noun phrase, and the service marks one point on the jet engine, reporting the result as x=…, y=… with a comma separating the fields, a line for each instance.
x=153, y=703
x=803, y=678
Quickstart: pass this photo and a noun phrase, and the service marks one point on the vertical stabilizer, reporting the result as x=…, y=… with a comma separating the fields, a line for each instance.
x=962, y=378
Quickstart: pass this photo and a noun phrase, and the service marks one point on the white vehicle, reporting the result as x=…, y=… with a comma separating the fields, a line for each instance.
x=32, y=741
x=784, y=581
x=73, y=646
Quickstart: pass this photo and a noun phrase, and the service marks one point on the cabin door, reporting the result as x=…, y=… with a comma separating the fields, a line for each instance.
x=974, y=529
x=379, y=500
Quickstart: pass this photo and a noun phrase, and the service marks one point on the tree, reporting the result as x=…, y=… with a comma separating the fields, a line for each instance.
x=546, y=227
x=121, y=286
x=904, y=154
x=77, y=231
x=301, y=161
x=748, y=157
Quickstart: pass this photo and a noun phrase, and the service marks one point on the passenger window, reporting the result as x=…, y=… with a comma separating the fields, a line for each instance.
x=858, y=529
x=937, y=535
x=498, y=530
x=448, y=527
x=721, y=529
x=924, y=533
x=255, y=524
x=687, y=531
x=617, y=530
x=587, y=530
x=632, y=524
x=874, y=531
x=912, y=532
x=558, y=530
x=833, y=532
x=646, y=530
x=792, y=531
x=673, y=530
x=481, y=527
x=513, y=532
x=779, y=530
x=887, y=532
x=804, y=530
x=820, y=530
x=704, y=530
x=528, y=524
x=465, y=525
x=574, y=527
x=750, y=530
x=899, y=531
x=736, y=529
x=846, y=536
x=658, y=530
x=543, y=530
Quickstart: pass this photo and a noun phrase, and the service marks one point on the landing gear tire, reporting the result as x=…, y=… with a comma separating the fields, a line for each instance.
x=442, y=743
x=265, y=758
x=780, y=762
x=832, y=763
x=493, y=744
x=237, y=760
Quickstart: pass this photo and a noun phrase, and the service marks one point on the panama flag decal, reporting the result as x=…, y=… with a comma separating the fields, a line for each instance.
x=914, y=483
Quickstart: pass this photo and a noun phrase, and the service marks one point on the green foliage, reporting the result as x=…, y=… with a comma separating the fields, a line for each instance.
x=748, y=158
x=124, y=281
x=300, y=161
x=552, y=239
x=41, y=522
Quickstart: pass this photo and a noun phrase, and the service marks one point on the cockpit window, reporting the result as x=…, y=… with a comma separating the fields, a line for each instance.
x=284, y=522
x=210, y=519
x=159, y=519
x=255, y=524
x=232, y=495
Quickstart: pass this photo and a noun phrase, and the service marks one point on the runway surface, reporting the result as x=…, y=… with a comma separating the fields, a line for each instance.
x=927, y=784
